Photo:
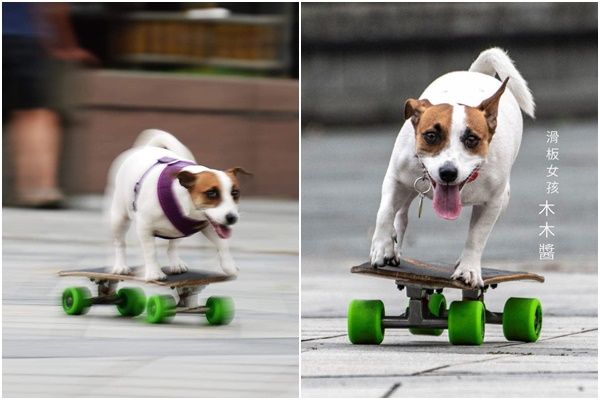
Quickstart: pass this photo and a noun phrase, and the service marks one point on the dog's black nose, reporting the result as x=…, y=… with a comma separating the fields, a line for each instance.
x=448, y=172
x=231, y=218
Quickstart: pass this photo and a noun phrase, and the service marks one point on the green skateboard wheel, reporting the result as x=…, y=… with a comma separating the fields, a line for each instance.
x=466, y=322
x=76, y=300
x=133, y=302
x=365, y=321
x=436, y=305
x=220, y=310
x=522, y=319
x=160, y=309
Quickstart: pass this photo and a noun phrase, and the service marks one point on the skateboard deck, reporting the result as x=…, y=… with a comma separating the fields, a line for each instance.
x=434, y=276
x=190, y=278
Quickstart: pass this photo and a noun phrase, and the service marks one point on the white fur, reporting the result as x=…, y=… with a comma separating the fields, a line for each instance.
x=489, y=193
x=126, y=170
x=496, y=61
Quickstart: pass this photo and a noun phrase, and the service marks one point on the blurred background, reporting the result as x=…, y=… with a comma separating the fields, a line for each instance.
x=80, y=82
x=360, y=62
x=222, y=77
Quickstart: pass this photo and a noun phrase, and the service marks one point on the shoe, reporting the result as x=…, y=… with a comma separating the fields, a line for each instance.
x=49, y=199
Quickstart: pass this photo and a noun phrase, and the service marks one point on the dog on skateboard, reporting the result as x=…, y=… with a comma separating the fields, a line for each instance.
x=466, y=125
x=158, y=184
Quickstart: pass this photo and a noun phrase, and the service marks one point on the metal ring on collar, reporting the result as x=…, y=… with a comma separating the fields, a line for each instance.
x=422, y=178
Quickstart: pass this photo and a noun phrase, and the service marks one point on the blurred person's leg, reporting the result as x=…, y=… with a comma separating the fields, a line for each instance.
x=33, y=127
x=35, y=141
x=36, y=36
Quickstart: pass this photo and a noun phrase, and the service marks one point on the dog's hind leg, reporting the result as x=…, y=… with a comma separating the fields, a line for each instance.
x=177, y=265
x=401, y=222
x=119, y=224
x=153, y=270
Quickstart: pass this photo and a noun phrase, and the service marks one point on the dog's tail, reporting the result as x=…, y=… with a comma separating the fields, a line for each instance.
x=496, y=61
x=158, y=138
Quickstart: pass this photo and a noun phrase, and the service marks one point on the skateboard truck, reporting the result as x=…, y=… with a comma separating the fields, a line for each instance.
x=417, y=314
x=186, y=294
x=106, y=292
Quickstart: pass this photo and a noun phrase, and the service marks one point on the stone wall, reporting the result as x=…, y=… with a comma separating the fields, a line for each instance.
x=226, y=122
x=361, y=61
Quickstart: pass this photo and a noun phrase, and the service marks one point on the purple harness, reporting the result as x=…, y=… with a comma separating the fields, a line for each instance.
x=166, y=197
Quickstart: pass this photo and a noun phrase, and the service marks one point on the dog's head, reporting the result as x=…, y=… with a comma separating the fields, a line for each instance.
x=452, y=141
x=216, y=193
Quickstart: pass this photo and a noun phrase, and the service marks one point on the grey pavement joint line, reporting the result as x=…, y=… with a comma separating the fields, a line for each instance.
x=418, y=373
x=551, y=337
x=391, y=390
x=504, y=373
x=323, y=337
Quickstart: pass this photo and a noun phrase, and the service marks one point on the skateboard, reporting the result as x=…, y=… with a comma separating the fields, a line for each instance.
x=428, y=314
x=132, y=302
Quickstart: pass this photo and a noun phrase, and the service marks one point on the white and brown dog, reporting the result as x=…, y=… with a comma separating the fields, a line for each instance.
x=447, y=142
x=158, y=184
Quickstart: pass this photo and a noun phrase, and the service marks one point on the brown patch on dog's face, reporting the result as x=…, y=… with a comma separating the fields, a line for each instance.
x=204, y=187
x=235, y=185
x=432, y=125
x=481, y=123
x=477, y=136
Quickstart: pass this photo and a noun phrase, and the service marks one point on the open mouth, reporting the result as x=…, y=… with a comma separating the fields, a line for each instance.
x=446, y=198
x=223, y=231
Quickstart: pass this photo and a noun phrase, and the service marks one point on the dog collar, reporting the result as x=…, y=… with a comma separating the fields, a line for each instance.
x=473, y=175
x=168, y=201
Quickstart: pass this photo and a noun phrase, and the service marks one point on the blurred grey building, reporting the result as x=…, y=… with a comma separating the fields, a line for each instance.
x=360, y=61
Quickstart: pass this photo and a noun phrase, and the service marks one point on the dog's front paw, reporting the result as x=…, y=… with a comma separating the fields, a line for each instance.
x=228, y=266
x=469, y=274
x=154, y=274
x=178, y=267
x=121, y=270
x=230, y=269
x=383, y=252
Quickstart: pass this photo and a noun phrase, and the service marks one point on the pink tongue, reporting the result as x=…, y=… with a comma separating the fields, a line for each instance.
x=223, y=231
x=446, y=201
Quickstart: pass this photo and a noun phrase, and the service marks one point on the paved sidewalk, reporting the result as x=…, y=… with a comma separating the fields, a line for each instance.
x=341, y=182
x=48, y=354
x=562, y=363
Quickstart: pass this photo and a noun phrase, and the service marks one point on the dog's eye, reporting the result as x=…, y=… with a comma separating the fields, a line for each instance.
x=471, y=141
x=431, y=137
x=235, y=193
x=212, y=194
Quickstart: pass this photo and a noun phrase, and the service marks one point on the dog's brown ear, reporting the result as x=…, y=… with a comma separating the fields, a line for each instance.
x=186, y=179
x=414, y=108
x=489, y=107
x=238, y=170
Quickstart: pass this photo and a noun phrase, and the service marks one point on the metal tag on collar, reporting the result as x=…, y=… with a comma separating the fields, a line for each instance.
x=423, y=179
